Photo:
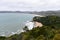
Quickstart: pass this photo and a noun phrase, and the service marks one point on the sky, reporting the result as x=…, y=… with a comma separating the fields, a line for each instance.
x=29, y=5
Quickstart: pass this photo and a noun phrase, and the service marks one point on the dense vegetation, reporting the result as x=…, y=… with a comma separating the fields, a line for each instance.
x=49, y=31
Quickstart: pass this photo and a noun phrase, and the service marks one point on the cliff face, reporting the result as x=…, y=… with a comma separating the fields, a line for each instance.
x=33, y=24
x=38, y=24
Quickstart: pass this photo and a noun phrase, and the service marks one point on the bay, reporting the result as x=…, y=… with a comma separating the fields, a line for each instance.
x=10, y=23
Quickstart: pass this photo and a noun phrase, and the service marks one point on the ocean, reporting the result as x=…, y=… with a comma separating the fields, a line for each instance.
x=11, y=23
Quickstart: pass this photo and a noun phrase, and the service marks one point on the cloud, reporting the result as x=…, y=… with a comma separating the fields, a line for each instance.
x=29, y=5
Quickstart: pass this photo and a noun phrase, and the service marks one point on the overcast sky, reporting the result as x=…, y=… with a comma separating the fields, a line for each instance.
x=29, y=5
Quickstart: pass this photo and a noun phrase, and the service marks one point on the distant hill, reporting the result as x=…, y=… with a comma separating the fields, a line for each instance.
x=15, y=12
x=46, y=13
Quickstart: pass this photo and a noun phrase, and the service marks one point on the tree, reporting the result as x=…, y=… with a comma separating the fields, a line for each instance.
x=25, y=29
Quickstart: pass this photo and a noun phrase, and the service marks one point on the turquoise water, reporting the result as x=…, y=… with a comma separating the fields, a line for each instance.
x=11, y=22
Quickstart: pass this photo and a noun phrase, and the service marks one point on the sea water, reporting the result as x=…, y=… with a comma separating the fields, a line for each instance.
x=10, y=23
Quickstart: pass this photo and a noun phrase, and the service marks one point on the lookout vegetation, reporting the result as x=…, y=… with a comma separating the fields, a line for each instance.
x=49, y=31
